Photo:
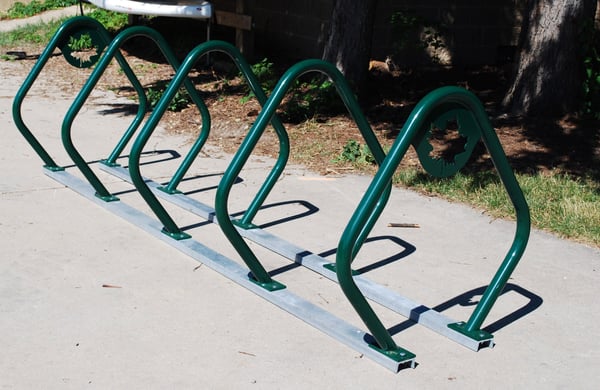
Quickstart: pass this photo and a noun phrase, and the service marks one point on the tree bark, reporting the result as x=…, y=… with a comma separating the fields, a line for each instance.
x=549, y=70
x=348, y=45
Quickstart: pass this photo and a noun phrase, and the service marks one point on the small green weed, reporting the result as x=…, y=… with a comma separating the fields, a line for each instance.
x=264, y=72
x=310, y=98
x=180, y=101
x=356, y=153
x=84, y=42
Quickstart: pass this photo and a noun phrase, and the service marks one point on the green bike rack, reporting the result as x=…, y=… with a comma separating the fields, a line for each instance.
x=91, y=188
x=111, y=52
x=436, y=110
x=170, y=226
x=234, y=230
x=72, y=29
x=241, y=157
x=259, y=274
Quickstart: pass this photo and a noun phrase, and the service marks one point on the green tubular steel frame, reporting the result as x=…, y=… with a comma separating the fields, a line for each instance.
x=259, y=274
x=74, y=27
x=441, y=109
x=174, y=62
x=170, y=227
x=94, y=190
x=448, y=103
x=111, y=52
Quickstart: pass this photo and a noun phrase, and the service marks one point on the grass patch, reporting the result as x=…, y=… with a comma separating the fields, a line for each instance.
x=559, y=203
x=31, y=34
x=42, y=32
x=309, y=130
x=112, y=21
x=20, y=10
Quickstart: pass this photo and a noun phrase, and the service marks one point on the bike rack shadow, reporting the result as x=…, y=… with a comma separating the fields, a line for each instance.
x=238, y=180
x=127, y=109
x=310, y=209
x=467, y=299
x=173, y=156
x=407, y=250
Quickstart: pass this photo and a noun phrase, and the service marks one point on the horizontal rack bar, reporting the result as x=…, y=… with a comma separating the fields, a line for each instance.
x=399, y=304
x=306, y=311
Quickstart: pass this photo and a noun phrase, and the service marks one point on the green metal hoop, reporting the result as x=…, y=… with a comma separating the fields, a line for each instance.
x=83, y=58
x=467, y=128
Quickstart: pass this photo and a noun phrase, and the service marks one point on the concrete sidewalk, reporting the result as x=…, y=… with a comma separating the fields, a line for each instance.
x=45, y=17
x=87, y=299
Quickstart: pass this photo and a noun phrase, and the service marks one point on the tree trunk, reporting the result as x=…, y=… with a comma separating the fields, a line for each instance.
x=348, y=45
x=549, y=72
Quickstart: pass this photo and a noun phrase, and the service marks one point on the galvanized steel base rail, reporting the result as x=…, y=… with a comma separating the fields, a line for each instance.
x=308, y=312
x=389, y=299
x=443, y=108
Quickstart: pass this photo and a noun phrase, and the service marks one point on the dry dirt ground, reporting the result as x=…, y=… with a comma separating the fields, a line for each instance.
x=568, y=145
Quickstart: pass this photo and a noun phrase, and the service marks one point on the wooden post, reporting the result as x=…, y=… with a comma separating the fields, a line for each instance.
x=244, y=37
